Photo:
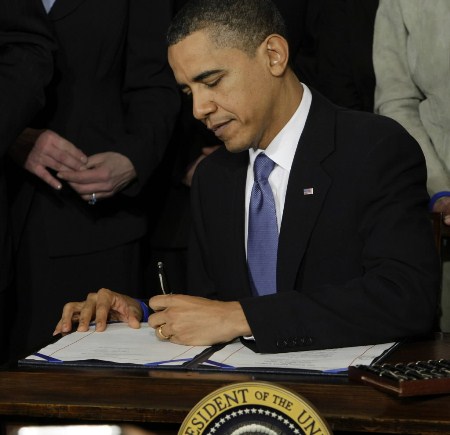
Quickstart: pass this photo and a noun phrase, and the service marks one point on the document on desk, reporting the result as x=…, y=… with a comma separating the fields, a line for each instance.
x=121, y=345
x=237, y=356
x=117, y=344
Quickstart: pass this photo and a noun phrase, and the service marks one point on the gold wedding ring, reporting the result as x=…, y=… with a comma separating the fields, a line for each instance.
x=161, y=334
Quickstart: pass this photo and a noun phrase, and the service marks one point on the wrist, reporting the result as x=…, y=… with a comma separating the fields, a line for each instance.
x=239, y=320
x=436, y=197
x=145, y=310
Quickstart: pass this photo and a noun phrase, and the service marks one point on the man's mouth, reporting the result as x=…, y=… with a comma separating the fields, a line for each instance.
x=219, y=128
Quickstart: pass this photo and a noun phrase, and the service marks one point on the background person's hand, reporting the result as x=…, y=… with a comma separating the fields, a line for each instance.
x=206, y=151
x=106, y=174
x=40, y=150
x=442, y=205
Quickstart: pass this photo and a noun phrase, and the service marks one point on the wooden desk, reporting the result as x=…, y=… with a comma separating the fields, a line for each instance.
x=163, y=398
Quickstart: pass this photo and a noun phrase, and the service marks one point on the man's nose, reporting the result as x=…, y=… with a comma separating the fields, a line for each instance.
x=202, y=106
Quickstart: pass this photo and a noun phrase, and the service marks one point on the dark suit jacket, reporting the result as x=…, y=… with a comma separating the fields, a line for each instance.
x=25, y=68
x=113, y=91
x=356, y=260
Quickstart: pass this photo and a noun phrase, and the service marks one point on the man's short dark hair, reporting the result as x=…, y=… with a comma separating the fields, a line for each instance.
x=242, y=24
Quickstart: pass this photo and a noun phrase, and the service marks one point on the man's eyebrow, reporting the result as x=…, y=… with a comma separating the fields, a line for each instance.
x=200, y=77
x=204, y=75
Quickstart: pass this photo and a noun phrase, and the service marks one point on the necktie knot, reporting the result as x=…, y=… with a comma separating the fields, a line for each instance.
x=262, y=168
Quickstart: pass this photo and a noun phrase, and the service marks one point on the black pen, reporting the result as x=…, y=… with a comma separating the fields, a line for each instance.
x=163, y=278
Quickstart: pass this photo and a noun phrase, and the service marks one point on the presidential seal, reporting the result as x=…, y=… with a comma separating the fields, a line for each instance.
x=254, y=408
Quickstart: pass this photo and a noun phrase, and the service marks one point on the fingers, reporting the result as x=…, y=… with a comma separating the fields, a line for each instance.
x=57, y=153
x=110, y=305
x=197, y=321
x=160, y=302
x=164, y=318
x=102, y=306
x=126, y=309
x=157, y=320
x=161, y=334
x=38, y=151
x=90, y=180
x=100, y=302
x=106, y=174
x=87, y=182
x=44, y=174
x=87, y=179
x=70, y=314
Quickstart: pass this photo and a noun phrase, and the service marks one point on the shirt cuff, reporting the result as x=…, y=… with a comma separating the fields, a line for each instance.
x=145, y=310
x=435, y=197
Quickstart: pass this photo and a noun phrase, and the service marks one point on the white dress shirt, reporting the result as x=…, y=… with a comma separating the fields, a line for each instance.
x=48, y=4
x=281, y=150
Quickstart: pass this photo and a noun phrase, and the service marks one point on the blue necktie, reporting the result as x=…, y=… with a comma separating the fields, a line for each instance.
x=262, y=242
x=48, y=4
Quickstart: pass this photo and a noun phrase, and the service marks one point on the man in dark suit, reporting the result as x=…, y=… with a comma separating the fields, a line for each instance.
x=356, y=261
x=25, y=68
x=344, y=67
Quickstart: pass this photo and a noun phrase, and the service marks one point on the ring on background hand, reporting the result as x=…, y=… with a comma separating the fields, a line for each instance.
x=93, y=199
x=162, y=335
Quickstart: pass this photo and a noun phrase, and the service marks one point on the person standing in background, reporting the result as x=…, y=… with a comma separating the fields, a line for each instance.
x=344, y=53
x=78, y=214
x=25, y=68
x=411, y=60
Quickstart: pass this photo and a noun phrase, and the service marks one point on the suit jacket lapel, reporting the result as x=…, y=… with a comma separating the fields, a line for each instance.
x=302, y=208
x=61, y=8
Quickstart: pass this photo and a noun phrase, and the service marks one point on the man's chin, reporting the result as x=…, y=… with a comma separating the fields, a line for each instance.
x=234, y=147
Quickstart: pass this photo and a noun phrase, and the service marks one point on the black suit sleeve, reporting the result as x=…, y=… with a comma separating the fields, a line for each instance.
x=25, y=65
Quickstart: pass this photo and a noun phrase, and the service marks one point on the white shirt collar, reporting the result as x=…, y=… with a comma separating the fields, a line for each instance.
x=282, y=148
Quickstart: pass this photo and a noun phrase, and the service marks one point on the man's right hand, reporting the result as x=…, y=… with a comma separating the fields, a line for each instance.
x=103, y=306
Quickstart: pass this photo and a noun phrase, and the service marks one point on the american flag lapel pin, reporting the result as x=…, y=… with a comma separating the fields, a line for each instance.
x=308, y=191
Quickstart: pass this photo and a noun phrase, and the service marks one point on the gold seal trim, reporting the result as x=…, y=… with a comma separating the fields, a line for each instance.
x=251, y=403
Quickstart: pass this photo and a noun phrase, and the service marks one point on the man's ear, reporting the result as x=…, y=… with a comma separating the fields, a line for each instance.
x=277, y=53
